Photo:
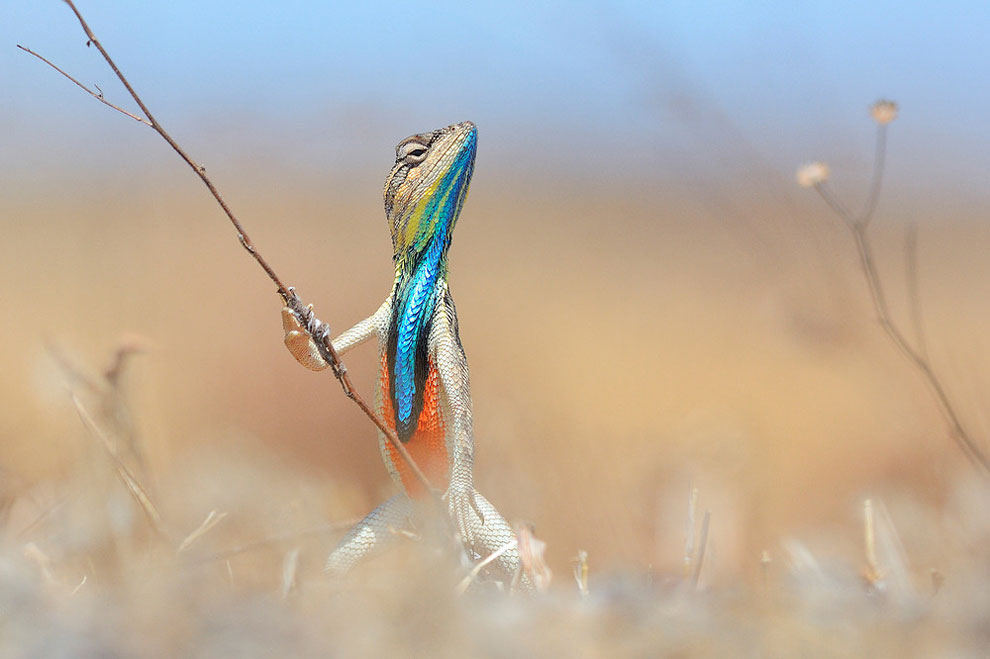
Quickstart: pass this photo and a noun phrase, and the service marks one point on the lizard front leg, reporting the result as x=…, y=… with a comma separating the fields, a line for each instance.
x=300, y=342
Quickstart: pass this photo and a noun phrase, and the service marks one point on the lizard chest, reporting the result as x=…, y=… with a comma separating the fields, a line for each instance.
x=426, y=442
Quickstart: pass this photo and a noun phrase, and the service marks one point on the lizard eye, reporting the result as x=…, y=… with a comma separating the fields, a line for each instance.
x=411, y=152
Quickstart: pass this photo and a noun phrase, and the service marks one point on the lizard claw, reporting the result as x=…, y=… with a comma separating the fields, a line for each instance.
x=300, y=343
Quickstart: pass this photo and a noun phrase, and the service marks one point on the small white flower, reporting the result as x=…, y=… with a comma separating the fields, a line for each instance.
x=812, y=174
x=883, y=111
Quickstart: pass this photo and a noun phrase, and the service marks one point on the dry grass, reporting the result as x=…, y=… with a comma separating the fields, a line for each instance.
x=735, y=357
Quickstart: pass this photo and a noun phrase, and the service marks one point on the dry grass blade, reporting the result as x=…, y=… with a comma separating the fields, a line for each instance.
x=478, y=567
x=890, y=552
x=872, y=573
x=289, y=567
x=212, y=519
x=79, y=586
x=702, y=544
x=133, y=486
x=581, y=572
x=41, y=560
x=689, y=532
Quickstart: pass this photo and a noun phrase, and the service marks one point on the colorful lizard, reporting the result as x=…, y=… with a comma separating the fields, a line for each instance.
x=424, y=390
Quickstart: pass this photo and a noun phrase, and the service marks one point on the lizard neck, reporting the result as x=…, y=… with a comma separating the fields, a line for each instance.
x=424, y=195
x=419, y=282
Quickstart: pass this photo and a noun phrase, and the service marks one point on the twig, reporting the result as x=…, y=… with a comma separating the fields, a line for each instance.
x=287, y=294
x=879, y=158
x=918, y=357
x=914, y=292
x=920, y=362
x=98, y=95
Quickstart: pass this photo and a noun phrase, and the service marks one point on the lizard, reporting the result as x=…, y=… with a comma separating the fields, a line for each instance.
x=424, y=392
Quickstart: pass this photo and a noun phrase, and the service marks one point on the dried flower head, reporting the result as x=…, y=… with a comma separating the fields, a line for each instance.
x=883, y=111
x=812, y=174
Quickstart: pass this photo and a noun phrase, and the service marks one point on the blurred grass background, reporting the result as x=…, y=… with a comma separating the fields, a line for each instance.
x=648, y=302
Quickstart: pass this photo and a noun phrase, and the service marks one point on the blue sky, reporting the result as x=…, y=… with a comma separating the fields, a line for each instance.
x=582, y=88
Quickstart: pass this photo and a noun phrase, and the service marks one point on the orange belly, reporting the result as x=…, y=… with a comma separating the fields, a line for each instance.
x=427, y=446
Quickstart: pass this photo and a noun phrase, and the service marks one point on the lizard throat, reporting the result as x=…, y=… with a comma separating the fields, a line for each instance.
x=407, y=349
x=421, y=239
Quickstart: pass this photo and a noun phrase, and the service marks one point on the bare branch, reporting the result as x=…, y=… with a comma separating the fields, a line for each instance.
x=914, y=293
x=918, y=357
x=98, y=95
x=879, y=157
x=826, y=193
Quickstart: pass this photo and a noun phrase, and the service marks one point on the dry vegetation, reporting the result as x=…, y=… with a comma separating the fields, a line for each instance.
x=226, y=562
x=784, y=422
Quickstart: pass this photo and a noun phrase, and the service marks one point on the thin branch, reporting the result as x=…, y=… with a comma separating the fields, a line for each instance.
x=918, y=357
x=826, y=193
x=200, y=170
x=879, y=158
x=287, y=294
x=98, y=95
x=920, y=362
x=914, y=291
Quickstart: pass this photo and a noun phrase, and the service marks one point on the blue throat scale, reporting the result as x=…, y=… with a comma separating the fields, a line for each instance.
x=418, y=273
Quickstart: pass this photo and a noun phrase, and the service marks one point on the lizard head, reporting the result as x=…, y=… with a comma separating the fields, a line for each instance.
x=426, y=189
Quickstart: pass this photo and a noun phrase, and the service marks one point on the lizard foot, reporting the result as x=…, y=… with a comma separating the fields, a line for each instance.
x=300, y=343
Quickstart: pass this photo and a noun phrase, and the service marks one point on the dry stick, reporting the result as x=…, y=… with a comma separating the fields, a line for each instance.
x=98, y=95
x=858, y=226
x=914, y=295
x=287, y=294
x=879, y=158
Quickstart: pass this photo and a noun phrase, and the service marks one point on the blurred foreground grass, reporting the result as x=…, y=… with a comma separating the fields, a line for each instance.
x=625, y=350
